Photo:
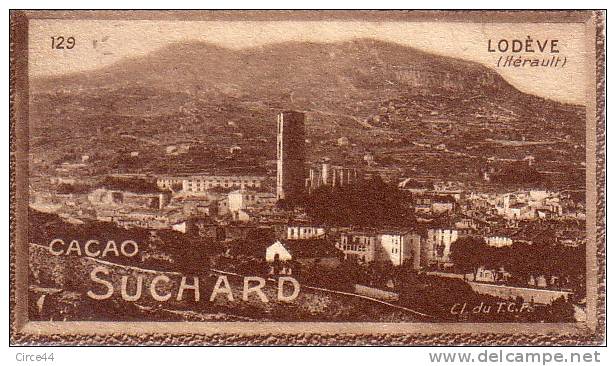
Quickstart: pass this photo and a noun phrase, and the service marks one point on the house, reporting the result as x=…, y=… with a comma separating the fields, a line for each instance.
x=422, y=204
x=498, y=241
x=123, y=198
x=242, y=200
x=197, y=206
x=438, y=245
x=544, y=213
x=306, y=252
x=303, y=231
x=434, y=203
x=440, y=206
x=398, y=246
x=198, y=184
x=358, y=245
x=466, y=222
x=62, y=180
x=484, y=274
x=241, y=215
x=278, y=252
x=517, y=211
x=395, y=246
x=202, y=227
x=169, y=183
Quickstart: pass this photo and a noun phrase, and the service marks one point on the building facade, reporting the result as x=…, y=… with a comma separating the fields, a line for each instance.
x=394, y=246
x=400, y=246
x=239, y=201
x=290, y=147
x=149, y=200
x=498, y=241
x=325, y=174
x=359, y=245
x=304, y=231
x=438, y=245
x=203, y=183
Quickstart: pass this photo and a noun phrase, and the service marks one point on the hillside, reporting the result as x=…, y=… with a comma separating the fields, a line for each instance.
x=391, y=101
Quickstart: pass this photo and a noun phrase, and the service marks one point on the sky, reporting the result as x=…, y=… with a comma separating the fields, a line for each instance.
x=99, y=43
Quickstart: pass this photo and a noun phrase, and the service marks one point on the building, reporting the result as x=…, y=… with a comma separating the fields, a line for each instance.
x=201, y=227
x=203, y=183
x=118, y=198
x=170, y=183
x=498, y=240
x=198, y=205
x=544, y=213
x=290, y=140
x=308, y=253
x=62, y=180
x=325, y=174
x=239, y=201
x=518, y=211
x=433, y=204
x=484, y=274
x=397, y=246
x=438, y=245
x=300, y=231
x=394, y=246
x=515, y=207
x=139, y=217
x=359, y=245
x=278, y=252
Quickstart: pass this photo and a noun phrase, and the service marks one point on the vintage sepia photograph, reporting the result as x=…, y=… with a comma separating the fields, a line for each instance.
x=358, y=173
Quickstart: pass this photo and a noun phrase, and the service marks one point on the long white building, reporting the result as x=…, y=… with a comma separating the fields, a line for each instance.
x=203, y=183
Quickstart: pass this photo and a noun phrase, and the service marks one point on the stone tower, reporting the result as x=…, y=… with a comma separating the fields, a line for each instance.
x=291, y=155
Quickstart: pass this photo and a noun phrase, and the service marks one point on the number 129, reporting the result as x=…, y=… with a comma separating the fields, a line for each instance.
x=60, y=43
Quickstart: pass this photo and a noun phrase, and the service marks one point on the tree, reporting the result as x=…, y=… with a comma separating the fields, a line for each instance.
x=561, y=310
x=404, y=273
x=372, y=203
x=520, y=263
x=468, y=254
x=496, y=259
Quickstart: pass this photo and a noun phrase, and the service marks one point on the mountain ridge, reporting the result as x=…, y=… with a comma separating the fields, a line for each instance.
x=377, y=94
x=169, y=58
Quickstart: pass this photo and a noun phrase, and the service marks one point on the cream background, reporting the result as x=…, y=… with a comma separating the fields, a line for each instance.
x=119, y=39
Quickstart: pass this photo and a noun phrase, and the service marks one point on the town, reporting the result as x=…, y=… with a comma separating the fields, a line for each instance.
x=349, y=227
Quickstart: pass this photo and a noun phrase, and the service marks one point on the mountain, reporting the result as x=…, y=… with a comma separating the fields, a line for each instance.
x=280, y=69
x=374, y=93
